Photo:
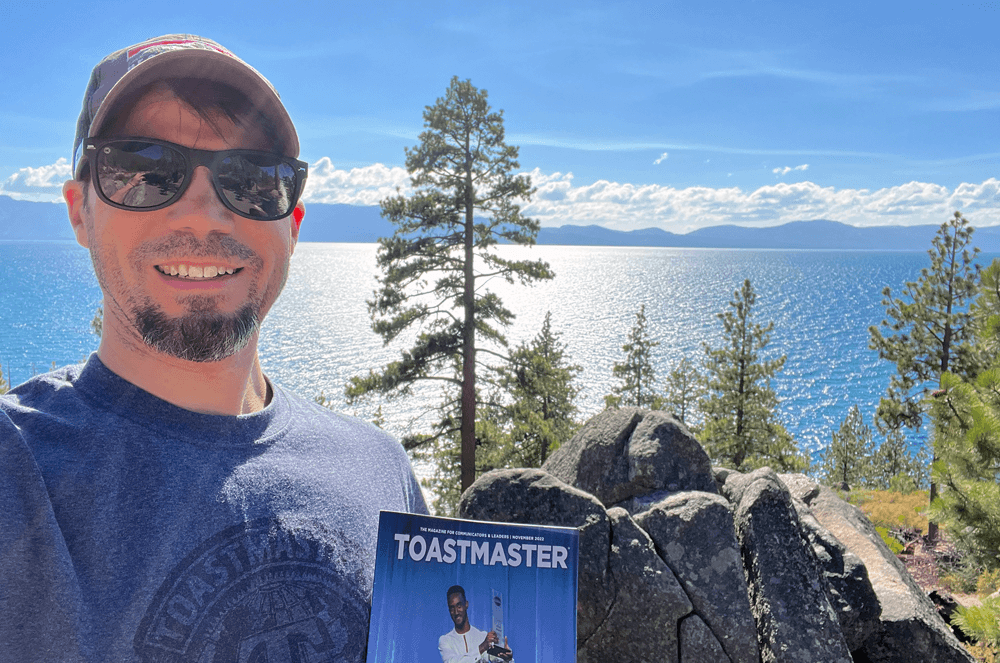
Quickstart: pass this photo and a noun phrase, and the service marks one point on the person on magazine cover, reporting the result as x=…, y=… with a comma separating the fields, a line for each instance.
x=165, y=501
x=465, y=643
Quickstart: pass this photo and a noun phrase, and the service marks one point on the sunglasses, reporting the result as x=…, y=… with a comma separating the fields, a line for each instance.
x=143, y=174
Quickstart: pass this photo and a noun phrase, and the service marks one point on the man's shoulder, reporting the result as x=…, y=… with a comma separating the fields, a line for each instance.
x=36, y=404
x=40, y=391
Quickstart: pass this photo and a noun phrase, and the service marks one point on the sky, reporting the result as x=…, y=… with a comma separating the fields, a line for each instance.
x=676, y=115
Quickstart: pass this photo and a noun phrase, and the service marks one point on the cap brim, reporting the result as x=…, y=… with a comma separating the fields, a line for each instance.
x=210, y=66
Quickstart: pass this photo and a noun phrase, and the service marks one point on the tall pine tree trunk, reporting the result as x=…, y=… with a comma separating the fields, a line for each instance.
x=932, y=526
x=741, y=444
x=469, y=337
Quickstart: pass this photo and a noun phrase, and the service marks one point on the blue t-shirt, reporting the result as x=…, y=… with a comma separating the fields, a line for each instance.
x=134, y=530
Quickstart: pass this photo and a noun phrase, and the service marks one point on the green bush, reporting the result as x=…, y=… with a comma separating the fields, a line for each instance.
x=894, y=544
x=981, y=623
x=988, y=583
x=960, y=576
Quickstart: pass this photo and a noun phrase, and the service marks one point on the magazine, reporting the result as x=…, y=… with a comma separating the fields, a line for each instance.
x=451, y=591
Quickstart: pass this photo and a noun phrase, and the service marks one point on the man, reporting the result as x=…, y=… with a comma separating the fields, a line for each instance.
x=166, y=501
x=465, y=643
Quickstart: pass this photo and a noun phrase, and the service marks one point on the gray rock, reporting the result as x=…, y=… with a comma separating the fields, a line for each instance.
x=733, y=484
x=720, y=474
x=851, y=593
x=800, y=486
x=535, y=497
x=647, y=594
x=910, y=628
x=788, y=593
x=698, y=643
x=694, y=535
x=631, y=457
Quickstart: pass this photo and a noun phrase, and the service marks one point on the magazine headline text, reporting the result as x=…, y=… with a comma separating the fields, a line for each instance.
x=468, y=551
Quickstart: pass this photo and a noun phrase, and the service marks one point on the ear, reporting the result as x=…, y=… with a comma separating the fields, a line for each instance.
x=73, y=194
x=298, y=214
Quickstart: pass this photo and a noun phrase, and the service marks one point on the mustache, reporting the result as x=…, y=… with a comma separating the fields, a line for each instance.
x=189, y=246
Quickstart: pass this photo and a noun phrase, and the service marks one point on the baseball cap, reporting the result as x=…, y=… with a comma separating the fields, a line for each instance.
x=175, y=56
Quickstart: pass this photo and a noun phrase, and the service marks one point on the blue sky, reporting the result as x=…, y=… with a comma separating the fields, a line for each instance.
x=669, y=114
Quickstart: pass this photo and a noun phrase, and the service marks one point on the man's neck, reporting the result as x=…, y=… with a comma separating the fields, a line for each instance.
x=464, y=630
x=234, y=385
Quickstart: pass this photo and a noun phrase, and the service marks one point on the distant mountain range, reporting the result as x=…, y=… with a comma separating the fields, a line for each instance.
x=22, y=220
x=818, y=234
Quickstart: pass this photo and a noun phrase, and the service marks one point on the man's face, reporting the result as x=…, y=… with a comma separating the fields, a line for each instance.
x=139, y=256
x=457, y=607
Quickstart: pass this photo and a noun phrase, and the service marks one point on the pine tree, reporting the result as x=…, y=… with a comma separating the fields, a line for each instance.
x=466, y=199
x=928, y=333
x=894, y=468
x=966, y=417
x=442, y=448
x=637, y=387
x=539, y=380
x=4, y=384
x=683, y=389
x=97, y=324
x=528, y=412
x=848, y=458
x=741, y=429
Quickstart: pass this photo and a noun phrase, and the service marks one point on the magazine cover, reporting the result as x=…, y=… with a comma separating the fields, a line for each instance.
x=458, y=591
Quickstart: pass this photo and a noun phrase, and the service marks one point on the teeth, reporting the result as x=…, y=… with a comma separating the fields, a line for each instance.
x=195, y=272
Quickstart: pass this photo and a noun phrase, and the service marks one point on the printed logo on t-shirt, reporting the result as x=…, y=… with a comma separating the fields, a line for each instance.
x=257, y=593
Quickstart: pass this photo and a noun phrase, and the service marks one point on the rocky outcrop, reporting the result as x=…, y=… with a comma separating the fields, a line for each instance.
x=644, y=585
x=632, y=458
x=694, y=535
x=714, y=566
x=850, y=592
x=909, y=627
x=789, y=595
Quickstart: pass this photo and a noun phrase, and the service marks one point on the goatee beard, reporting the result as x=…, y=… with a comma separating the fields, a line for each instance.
x=198, y=336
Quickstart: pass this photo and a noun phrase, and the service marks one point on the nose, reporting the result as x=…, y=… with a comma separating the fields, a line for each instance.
x=199, y=210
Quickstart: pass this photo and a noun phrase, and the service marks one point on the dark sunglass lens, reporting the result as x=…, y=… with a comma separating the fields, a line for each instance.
x=139, y=174
x=258, y=185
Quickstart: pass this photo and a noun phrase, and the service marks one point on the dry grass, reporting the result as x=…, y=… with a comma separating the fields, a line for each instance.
x=894, y=511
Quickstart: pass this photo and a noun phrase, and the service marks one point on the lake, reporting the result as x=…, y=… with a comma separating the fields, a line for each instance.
x=318, y=334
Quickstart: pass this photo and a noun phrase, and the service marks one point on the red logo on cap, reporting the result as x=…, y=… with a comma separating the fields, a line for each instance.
x=166, y=42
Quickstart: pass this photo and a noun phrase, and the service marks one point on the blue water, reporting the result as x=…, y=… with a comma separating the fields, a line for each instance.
x=318, y=334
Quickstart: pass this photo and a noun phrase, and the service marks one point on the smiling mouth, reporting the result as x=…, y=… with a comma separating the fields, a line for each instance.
x=196, y=272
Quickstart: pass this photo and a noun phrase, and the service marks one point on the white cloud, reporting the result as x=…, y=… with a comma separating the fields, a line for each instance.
x=558, y=200
x=626, y=206
x=663, y=157
x=42, y=184
x=788, y=169
x=357, y=186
